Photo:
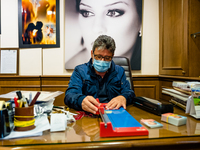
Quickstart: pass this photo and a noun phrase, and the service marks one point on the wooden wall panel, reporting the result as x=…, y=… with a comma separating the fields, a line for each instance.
x=146, y=91
x=178, y=50
x=19, y=80
x=55, y=83
x=144, y=85
x=55, y=80
x=59, y=101
x=13, y=83
x=173, y=33
x=147, y=86
x=194, y=42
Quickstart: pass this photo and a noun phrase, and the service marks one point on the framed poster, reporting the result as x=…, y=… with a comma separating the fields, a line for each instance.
x=39, y=23
x=85, y=20
x=9, y=61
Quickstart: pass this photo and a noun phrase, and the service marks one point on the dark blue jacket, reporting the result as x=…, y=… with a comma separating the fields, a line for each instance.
x=84, y=82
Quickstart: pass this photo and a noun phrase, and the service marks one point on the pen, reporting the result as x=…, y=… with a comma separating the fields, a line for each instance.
x=58, y=107
x=19, y=94
x=16, y=103
x=34, y=99
x=20, y=103
x=30, y=98
x=24, y=101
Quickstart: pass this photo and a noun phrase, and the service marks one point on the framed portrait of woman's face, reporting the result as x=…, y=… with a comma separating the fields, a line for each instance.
x=85, y=20
x=39, y=23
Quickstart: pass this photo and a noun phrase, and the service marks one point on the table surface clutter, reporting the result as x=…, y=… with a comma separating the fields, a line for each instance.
x=84, y=132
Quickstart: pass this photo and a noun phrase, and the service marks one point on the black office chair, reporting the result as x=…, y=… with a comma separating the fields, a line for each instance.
x=124, y=62
x=147, y=104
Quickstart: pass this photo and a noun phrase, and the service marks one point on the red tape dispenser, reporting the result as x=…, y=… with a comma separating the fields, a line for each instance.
x=118, y=122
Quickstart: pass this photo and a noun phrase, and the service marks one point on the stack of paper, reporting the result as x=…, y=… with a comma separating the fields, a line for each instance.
x=174, y=119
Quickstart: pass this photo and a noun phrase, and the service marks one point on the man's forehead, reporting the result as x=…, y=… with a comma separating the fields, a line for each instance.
x=101, y=49
x=103, y=52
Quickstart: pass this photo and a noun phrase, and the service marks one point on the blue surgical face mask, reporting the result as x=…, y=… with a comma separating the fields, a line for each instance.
x=101, y=66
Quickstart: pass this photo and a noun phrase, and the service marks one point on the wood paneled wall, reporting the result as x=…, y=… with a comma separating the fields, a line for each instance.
x=55, y=83
x=12, y=83
x=144, y=85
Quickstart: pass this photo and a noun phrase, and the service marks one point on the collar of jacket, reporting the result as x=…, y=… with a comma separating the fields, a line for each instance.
x=91, y=71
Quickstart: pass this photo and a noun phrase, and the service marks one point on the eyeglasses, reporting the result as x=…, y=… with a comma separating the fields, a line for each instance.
x=106, y=58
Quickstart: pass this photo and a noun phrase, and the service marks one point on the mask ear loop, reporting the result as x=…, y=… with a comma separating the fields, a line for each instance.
x=93, y=60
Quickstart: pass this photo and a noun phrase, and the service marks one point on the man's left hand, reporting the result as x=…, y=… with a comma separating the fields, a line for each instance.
x=117, y=102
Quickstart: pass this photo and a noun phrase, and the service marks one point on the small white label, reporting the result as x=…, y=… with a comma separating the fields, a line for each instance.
x=58, y=122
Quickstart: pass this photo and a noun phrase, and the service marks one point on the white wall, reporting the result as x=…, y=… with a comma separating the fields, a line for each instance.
x=150, y=38
x=50, y=61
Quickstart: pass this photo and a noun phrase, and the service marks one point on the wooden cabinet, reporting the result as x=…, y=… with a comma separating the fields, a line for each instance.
x=146, y=86
x=179, y=51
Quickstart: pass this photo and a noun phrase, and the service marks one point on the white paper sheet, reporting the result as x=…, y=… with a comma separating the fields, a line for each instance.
x=8, y=61
x=41, y=123
x=44, y=96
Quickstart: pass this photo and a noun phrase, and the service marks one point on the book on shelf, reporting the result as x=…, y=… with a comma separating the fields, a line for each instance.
x=179, y=101
x=175, y=93
x=178, y=98
x=178, y=104
x=188, y=92
x=180, y=84
x=186, y=86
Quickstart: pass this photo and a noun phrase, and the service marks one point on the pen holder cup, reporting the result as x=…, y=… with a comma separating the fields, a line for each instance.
x=24, y=118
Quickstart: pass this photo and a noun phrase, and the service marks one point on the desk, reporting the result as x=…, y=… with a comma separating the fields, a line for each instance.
x=84, y=134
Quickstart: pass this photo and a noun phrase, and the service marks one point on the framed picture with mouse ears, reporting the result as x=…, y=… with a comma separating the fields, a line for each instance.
x=39, y=23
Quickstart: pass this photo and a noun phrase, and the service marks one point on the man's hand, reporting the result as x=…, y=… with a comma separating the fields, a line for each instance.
x=117, y=102
x=89, y=104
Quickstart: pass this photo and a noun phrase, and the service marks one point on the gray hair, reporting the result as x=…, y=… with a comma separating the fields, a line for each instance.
x=104, y=42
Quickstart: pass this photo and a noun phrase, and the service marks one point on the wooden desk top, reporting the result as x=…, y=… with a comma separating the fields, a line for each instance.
x=84, y=134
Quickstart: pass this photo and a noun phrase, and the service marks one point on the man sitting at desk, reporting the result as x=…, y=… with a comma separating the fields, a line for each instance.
x=99, y=78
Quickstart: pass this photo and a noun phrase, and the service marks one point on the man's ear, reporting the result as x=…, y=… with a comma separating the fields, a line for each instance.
x=91, y=53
